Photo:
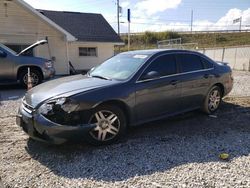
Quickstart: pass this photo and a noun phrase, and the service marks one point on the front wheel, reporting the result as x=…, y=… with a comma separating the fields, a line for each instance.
x=212, y=100
x=110, y=124
x=36, y=77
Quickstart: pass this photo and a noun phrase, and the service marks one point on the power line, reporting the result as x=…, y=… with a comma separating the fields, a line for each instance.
x=179, y=24
x=171, y=20
x=155, y=19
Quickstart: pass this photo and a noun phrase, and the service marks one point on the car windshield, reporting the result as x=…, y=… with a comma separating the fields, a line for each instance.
x=8, y=49
x=119, y=67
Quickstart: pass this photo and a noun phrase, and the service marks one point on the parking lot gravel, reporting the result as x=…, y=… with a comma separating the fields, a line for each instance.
x=178, y=152
x=241, y=84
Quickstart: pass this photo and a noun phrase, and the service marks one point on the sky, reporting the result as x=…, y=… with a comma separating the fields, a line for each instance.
x=160, y=15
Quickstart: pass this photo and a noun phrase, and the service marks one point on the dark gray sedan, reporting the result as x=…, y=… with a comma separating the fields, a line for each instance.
x=126, y=90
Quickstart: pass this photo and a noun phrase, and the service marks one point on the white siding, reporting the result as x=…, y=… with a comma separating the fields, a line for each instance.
x=104, y=51
x=19, y=26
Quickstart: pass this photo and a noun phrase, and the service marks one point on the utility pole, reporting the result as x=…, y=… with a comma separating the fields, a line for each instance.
x=118, y=16
x=129, y=29
x=240, y=23
x=191, y=21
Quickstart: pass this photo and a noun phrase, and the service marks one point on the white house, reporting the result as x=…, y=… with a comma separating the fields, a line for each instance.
x=84, y=39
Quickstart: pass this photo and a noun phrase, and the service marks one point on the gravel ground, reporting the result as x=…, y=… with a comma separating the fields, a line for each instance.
x=241, y=84
x=178, y=152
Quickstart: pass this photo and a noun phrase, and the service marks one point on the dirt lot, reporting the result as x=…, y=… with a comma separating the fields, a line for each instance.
x=178, y=152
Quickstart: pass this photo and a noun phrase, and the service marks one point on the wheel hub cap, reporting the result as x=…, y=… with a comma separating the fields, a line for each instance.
x=107, y=125
x=104, y=124
x=34, y=78
x=214, y=100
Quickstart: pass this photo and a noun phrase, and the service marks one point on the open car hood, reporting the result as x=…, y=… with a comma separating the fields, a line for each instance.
x=41, y=42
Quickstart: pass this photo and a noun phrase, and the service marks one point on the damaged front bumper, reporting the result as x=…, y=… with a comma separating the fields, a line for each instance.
x=42, y=129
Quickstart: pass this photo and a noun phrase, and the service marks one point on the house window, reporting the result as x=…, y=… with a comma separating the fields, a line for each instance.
x=83, y=51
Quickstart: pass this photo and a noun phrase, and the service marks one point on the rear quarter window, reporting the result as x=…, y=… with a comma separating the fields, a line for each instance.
x=207, y=64
x=189, y=62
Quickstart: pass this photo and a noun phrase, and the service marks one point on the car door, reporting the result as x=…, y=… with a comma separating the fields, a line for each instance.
x=195, y=80
x=160, y=95
x=6, y=66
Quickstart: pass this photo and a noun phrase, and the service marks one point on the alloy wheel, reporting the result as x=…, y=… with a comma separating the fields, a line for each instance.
x=214, y=100
x=34, y=78
x=107, y=125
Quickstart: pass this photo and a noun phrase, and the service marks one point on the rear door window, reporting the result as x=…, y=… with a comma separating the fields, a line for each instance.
x=165, y=65
x=189, y=62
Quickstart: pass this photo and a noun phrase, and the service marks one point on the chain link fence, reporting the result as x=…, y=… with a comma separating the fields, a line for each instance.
x=176, y=44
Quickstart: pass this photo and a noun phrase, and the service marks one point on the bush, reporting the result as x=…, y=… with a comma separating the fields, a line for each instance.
x=153, y=37
x=148, y=39
x=221, y=39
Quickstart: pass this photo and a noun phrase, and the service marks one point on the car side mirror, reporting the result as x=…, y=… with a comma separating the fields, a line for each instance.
x=91, y=69
x=151, y=75
x=3, y=54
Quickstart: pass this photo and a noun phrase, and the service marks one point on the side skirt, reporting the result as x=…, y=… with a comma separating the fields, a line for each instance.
x=164, y=116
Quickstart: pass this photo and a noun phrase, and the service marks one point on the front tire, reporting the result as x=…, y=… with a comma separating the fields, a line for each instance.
x=212, y=100
x=110, y=124
x=36, y=77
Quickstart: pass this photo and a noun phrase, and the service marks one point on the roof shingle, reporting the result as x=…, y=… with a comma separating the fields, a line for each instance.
x=84, y=26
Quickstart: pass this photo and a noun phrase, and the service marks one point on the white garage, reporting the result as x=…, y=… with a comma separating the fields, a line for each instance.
x=84, y=39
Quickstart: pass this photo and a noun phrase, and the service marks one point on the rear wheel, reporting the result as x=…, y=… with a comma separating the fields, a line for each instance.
x=36, y=77
x=213, y=100
x=110, y=124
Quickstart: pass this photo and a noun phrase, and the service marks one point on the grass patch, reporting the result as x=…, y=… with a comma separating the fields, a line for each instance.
x=148, y=40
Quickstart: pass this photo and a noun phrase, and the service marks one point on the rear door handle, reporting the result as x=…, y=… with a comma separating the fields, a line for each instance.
x=174, y=82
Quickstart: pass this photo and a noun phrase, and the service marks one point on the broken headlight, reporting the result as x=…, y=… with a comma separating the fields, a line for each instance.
x=52, y=106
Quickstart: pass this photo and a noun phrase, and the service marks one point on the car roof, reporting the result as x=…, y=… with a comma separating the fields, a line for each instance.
x=155, y=51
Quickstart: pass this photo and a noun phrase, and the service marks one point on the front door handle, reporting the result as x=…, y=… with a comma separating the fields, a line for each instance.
x=174, y=82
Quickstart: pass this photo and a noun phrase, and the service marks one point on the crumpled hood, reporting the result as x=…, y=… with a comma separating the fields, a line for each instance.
x=65, y=86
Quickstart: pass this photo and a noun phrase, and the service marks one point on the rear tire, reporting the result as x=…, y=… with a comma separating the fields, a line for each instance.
x=212, y=100
x=110, y=125
x=36, y=77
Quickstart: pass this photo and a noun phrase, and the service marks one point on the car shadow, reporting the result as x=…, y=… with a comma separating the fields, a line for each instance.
x=154, y=147
x=15, y=91
x=11, y=92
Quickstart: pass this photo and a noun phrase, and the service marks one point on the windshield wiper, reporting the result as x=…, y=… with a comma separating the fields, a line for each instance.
x=101, y=77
